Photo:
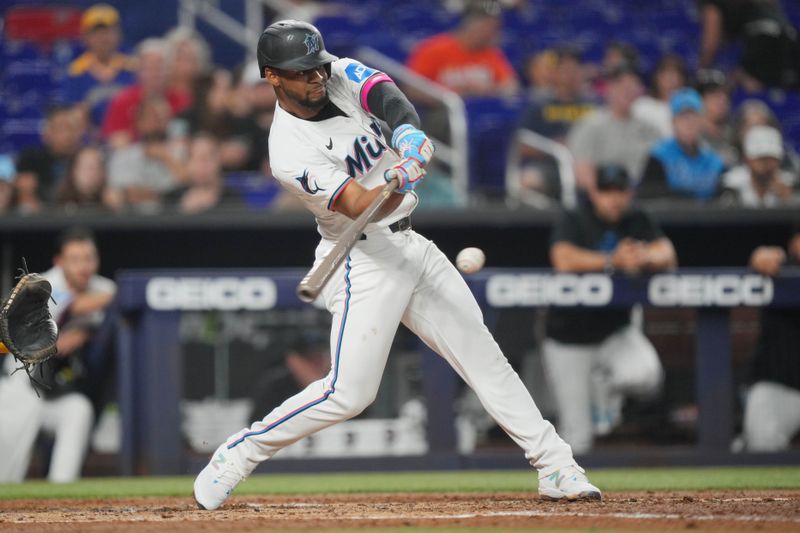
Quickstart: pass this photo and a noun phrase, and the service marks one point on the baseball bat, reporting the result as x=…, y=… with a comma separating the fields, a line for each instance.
x=312, y=284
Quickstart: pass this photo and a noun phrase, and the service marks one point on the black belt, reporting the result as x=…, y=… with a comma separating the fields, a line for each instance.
x=401, y=225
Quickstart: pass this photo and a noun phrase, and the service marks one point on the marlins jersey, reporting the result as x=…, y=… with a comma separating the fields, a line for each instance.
x=317, y=160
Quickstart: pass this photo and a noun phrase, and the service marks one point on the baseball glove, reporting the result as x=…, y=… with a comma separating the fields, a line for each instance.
x=26, y=328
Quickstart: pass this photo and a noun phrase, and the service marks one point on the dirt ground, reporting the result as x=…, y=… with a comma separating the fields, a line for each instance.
x=633, y=511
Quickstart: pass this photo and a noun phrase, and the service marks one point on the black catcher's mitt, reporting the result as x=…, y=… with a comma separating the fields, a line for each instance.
x=26, y=327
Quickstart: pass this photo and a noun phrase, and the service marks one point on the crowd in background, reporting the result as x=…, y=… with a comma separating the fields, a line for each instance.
x=163, y=129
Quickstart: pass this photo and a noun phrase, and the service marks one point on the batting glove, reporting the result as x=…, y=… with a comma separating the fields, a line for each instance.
x=408, y=173
x=411, y=142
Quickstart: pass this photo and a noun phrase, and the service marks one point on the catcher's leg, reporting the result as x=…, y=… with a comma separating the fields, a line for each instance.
x=70, y=419
x=20, y=415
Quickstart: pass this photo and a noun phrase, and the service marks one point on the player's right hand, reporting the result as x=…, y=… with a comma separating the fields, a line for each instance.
x=412, y=142
x=408, y=172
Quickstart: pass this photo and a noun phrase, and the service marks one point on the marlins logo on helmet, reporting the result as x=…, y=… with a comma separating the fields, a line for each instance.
x=312, y=42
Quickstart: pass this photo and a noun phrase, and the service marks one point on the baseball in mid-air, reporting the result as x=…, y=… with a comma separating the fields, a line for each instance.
x=470, y=260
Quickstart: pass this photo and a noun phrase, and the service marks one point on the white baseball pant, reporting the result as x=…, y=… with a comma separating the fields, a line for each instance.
x=583, y=376
x=68, y=418
x=771, y=416
x=387, y=279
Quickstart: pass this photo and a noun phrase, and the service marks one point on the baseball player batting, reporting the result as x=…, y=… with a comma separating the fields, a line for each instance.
x=327, y=149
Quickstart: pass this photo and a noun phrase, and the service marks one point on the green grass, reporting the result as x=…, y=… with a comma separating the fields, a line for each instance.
x=461, y=481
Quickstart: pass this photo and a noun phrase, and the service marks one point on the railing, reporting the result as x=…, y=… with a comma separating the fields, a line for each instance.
x=516, y=193
x=456, y=155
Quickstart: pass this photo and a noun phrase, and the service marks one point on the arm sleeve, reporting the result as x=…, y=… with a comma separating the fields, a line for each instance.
x=387, y=102
x=565, y=229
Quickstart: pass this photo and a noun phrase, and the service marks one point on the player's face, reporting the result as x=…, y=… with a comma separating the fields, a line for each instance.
x=611, y=204
x=305, y=88
x=79, y=261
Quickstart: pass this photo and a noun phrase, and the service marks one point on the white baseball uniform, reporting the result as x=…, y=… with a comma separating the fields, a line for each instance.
x=23, y=413
x=386, y=279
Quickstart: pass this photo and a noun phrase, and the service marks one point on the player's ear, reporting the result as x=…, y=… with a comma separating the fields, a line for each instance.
x=272, y=77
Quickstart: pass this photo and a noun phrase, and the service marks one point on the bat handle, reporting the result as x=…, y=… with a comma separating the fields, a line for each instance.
x=305, y=293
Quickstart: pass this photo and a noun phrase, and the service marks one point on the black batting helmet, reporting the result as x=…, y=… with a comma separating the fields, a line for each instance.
x=292, y=45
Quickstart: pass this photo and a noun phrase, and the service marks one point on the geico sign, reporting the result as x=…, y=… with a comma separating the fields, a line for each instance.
x=224, y=293
x=697, y=290
x=510, y=290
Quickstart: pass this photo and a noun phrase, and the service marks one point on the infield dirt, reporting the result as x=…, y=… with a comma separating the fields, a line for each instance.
x=628, y=511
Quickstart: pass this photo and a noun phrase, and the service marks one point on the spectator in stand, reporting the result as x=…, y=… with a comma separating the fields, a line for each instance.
x=191, y=59
x=761, y=182
x=84, y=186
x=243, y=144
x=468, y=60
x=205, y=185
x=770, y=46
x=752, y=113
x=41, y=170
x=98, y=74
x=616, y=53
x=154, y=64
x=61, y=406
x=594, y=358
x=253, y=97
x=552, y=115
x=7, y=173
x=682, y=166
x=717, y=122
x=540, y=73
x=611, y=135
x=140, y=173
x=772, y=409
x=654, y=108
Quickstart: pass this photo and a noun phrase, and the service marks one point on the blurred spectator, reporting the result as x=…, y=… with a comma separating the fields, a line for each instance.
x=243, y=144
x=654, y=108
x=7, y=173
x=772, y=410
x=140, y=173
x=552, y=115
x=205, y=187
x=468, y=60
x=253, y=97
x=306, y=359
x=717, y=122
x=595, y=357
x=84, y=185
x=681, y=166
x=770, y=47
x=99, y=73
x=61, y=407
x=191, y=59
x=611, y=135
x=154, y=64
x=540, y=73
x=760, y=182
x=41, y=170
x=752, y=113
x=615, y=54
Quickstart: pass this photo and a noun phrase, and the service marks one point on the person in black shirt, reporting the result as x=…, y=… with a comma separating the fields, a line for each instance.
x=594, y=357
x=41, y=169
x=770, y=44
x=772, y=412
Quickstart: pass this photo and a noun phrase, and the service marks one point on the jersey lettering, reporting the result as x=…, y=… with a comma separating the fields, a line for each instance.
x=364, y=153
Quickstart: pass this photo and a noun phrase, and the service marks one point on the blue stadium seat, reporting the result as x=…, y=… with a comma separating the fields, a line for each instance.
x=256, y=190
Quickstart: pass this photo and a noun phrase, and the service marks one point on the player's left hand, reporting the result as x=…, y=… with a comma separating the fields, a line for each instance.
x=408, y=172
x=411, y=142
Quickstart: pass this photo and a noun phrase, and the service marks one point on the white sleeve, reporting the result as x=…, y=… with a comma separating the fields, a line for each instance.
x=356, y=79
x=319, y=182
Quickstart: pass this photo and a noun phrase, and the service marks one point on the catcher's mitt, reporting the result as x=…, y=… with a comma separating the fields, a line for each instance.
x=26, y=328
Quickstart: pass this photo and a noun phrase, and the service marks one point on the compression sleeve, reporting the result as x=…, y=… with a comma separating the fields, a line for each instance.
x=387, y=102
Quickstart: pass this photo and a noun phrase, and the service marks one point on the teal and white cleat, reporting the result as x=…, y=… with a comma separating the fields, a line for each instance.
x=217, y=480
x=568, y=483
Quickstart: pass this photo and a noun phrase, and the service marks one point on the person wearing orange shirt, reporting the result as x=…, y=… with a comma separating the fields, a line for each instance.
x=468, y=60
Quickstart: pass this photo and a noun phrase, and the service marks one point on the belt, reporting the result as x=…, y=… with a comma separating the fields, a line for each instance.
x=401, y=225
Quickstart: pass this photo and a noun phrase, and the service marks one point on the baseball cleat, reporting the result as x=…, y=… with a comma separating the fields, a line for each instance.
x=568, y=483
x=217, y=480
